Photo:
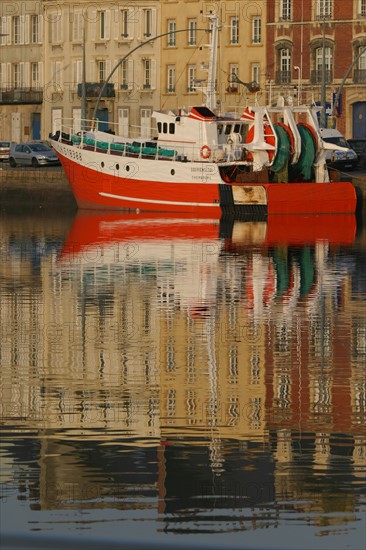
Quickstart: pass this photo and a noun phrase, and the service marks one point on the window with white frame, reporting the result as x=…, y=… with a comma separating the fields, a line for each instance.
x=362, y=8
x=124, y=75
x=147, y=14
x=125, y=15
x=172, y=27
x=328, y=54
x=255, y=72
x=16, y=75
x=324, y=9
x=256, y=30
x=102, y=70
x=286, y=6
x=147, y=72
x=192, y=33
x=102, y=25
x=171, y=79
x=285, y=65
x=362, y=58
x=191, y=78
x=234, y=30
x=35, y=37
x=35, y=82
x=233, y=76
x=77, y=27
x=16, y=29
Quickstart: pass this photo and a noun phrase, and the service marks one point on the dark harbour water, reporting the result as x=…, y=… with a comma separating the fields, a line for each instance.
x=173, y=382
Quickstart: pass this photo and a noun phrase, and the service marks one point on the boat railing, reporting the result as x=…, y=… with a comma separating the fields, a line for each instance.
x=93, y=139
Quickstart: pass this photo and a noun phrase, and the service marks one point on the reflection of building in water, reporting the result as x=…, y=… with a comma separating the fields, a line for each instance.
x=142, y=342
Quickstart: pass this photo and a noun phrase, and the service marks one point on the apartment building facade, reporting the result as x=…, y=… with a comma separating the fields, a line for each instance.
x=185, y=56
x=21, y=70
x=266, y=49
x=106, y=33
x=306, y=36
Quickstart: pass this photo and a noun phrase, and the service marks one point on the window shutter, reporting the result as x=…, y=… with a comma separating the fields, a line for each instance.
x=114, y=78
x=40, y=29
x=153, y=23
x=8, y=30
x=153, y=73
x=92, y=71
x=130, y=74
x=27, y=74
x=26, y=29
x=93, y=23
x=131, y=23
x=40, y=73
x=107, y=33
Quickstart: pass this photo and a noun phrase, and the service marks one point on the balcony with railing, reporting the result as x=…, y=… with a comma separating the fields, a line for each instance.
x=93, y=89
x=316, y=76
x=359, y=76
x=21, y=96
x=283, y=77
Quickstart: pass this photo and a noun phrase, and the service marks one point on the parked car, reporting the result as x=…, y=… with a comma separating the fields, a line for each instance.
x=4, y=150
x=33, y=154
x=342, y=159
x=359, y=146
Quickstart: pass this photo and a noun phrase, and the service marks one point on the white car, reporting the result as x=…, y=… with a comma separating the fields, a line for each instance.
x=345, y=158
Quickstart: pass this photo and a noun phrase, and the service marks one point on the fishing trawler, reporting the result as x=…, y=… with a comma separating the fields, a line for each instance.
x=267, y=160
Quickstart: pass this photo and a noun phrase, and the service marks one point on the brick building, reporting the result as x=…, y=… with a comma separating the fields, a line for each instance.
x=305, y=35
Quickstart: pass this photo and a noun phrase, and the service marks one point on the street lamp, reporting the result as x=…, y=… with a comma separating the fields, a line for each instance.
x=323, y=117
x=296, y=68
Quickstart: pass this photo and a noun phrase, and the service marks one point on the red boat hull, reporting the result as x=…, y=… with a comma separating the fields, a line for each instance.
x=94, y=189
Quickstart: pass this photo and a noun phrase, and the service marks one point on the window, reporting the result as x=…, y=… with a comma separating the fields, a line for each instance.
x=234, y=30
x=233, y=75
x=192, y=33
x=77, y=27
x=147, y=73
x=147, y=23
x=191, y=78
x=256, y=30
x=16, y=29
x=324, y=9
x=102, y=71
x=35, y=83
x=255, y=71
x=124, y=72
x=102, y=25
x=16, y=75
x=285, y=65
x=285, y=10
x=362, y=8
x=35, y=37
x=328, y=64
x=171, y=78
x=172, y=27
x=125, y=17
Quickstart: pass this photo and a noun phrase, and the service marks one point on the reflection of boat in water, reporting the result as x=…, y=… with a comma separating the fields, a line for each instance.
x=280, y=230
x=92, y=228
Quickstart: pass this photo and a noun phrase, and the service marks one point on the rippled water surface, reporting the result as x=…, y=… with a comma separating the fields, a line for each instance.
x=173, y=381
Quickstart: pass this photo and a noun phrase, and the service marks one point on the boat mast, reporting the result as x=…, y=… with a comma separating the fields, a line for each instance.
x=210, y=91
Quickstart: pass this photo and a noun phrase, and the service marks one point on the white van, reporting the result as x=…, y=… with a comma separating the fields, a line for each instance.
x=346, y=157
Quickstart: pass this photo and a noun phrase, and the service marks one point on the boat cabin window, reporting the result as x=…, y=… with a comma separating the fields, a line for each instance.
x=172, y=128
x=165, y=127
x=159, y=127
x=228, y=129
x=219, y=129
